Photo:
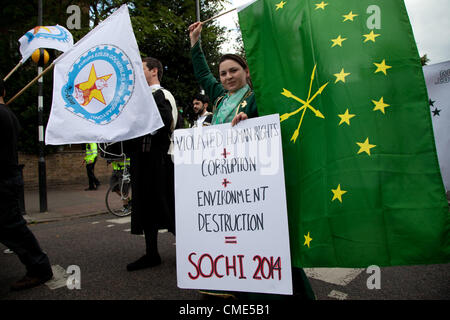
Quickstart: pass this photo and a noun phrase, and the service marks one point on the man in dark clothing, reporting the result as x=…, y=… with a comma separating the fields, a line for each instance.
x=14, y=232
x=152, y=173
x=200, y=105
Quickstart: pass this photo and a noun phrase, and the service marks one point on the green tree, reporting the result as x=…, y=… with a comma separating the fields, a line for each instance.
x=424, y=60
x=18, y=17
x=161, y=30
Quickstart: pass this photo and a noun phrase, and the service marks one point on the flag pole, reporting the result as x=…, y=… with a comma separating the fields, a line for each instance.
x=12, y=71
x=219, y=15
x=31, y=83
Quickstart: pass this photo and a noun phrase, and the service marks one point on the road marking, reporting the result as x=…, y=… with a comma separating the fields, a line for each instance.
x=127, y=230
x=338, y=295
x=59, y=279
x=120, y=220
x=110, y=225
x=95, y=222
x=339, y=276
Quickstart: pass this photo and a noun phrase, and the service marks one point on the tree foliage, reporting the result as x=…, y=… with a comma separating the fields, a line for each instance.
x=160, y=27
x=424, y=60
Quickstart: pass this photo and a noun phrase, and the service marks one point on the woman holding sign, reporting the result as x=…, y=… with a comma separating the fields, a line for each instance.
x=233, y=101
x=233, y=98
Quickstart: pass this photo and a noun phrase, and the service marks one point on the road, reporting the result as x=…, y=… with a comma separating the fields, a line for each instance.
x=102, y=246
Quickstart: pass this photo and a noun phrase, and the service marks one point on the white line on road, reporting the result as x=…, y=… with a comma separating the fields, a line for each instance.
x=339, y=276
x=59, y=279
x=338, y=295
x=110, y=225
x=120, y=220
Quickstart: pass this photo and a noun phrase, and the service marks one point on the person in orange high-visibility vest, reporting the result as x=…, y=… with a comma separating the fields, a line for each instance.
x=90, y=159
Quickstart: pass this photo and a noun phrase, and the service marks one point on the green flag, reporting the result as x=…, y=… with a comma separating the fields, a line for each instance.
x=362, y=178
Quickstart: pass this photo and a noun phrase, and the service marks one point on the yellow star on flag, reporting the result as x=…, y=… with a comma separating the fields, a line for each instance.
x=349, y=16
x=280, y=5
x=307, y=240
x=365, y=146
x=337, y=193
x=90, y=89
x=345, y=117
x=338, y=41
x=341, y=76
x=380, y=105
x=370, y=36
x=321, y=5
x=382, y=67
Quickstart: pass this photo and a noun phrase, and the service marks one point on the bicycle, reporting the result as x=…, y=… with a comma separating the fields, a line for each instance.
x=118, y=196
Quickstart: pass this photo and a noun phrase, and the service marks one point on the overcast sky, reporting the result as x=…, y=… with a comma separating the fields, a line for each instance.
x=430, y=20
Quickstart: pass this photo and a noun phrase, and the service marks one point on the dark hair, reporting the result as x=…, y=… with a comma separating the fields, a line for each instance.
x=236, y=58
x=201, y=97
x=2, y=87
x=154, y=63
x=241, y=61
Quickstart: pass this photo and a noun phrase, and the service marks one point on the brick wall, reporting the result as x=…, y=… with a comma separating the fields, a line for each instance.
x=62, y=168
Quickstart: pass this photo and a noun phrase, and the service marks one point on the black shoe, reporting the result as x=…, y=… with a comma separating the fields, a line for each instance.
x=144, y=262
x=28, y=282
x=90, y=189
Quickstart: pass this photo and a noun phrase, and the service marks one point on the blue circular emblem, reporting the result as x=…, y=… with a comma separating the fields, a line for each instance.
x=99, y=84
x=62, y=36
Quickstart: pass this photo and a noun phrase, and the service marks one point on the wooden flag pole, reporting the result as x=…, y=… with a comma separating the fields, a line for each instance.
x=12, y=71
x=31, y=83
x=219, y=15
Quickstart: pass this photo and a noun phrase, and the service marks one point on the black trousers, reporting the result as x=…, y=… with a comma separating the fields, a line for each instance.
x=93, y=181
x=14, y=232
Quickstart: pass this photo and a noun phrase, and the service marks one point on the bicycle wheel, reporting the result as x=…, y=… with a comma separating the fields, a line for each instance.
x=115, y=204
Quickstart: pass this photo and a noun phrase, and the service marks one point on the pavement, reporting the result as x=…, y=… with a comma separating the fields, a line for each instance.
x=65, y=202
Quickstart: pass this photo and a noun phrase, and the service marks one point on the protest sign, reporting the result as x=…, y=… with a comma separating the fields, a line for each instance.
x=231, y=218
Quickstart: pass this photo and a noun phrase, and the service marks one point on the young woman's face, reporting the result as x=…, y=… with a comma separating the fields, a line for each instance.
x=232, y=76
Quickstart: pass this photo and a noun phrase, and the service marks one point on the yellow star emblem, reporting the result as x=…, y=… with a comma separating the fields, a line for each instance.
x=337, y=193
x=380, y=105
x=365, y=146
x=90, y=89
x=307, y=240
x=321, y=5
x=382, y=67
x=349, y=16
x=280, y=5
x=338, y=41
x=341, y=76
x=345, y=117
x=370, y=36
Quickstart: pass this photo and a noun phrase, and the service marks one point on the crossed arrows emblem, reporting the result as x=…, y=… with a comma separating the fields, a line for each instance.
x=305, y=105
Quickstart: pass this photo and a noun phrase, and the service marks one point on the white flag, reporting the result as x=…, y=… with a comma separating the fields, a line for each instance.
x=99, y=89
x=437, y=77
x=53, y=37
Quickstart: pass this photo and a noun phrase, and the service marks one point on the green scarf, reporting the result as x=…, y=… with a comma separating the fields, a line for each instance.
x=226, y=110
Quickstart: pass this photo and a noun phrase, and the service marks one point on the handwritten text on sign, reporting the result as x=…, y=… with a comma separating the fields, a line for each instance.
x=231, y=219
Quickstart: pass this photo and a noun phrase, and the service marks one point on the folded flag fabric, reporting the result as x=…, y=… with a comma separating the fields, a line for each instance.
x=437, y=77
x=362, y=178
x=51, y=37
